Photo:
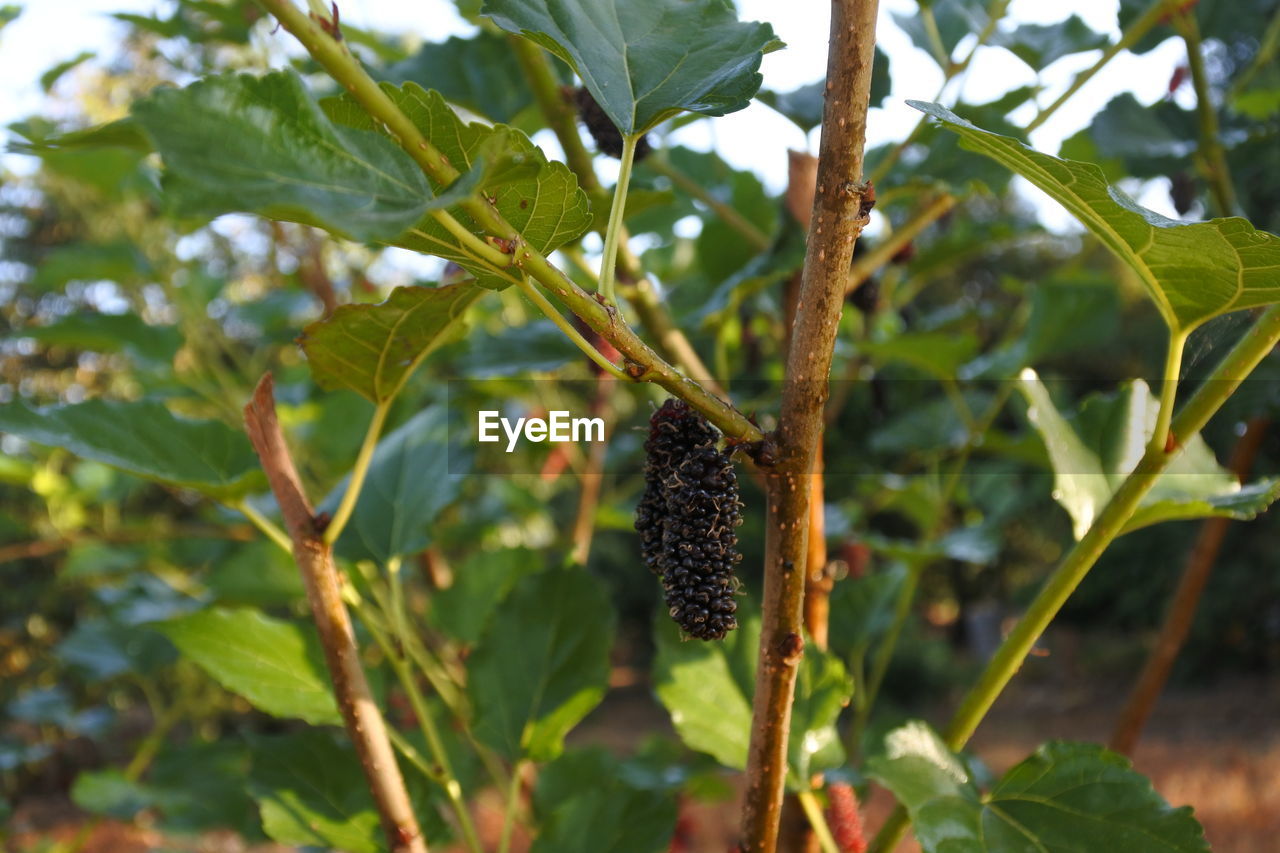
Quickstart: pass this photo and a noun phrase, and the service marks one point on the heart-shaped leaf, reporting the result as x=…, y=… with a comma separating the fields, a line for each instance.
x=1066, y=796
x=539, y=198
x=234, y=142
x=1095, y=450
x=276, y=665
x=542, y=665
x=708, y=688
x=1192, y=272
x=645, y=62
x=373, y=349
x=146, y=439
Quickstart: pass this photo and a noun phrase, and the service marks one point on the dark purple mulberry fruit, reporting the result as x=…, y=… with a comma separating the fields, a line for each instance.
x=866, y=297
x=602, y=129
x=688, y=519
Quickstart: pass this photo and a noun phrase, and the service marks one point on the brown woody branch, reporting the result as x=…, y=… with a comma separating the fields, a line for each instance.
x=839, y=214
x=314, y=557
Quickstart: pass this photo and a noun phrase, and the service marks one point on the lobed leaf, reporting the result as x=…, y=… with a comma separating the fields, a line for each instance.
x=1041, y=45
x=646, y=62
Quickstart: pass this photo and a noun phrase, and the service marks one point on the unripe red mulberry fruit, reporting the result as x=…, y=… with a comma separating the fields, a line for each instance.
x=602, y=129
x=688, y=519
x=843, y=817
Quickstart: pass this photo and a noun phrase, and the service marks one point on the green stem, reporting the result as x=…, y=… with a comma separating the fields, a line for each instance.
x=1257, y=343
x=266, y=525
x=560, y=115
x=1224, y=194
x=443, y=774
x=884, y=655
x=936, y=47
x=478, y=248
x=535, y=296
x=818, y=821
x=609, y=261
x=352, y=493
x=950, y=71
x=335, y=58
x=1139, y=28
x=731, y=217
x=1267, y=50
x=1168, y=391
x=509, y=813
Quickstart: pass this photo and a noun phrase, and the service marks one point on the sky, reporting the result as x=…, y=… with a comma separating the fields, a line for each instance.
x=756, y=138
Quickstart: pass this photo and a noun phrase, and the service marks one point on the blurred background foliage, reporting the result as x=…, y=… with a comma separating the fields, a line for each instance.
x=103, y=296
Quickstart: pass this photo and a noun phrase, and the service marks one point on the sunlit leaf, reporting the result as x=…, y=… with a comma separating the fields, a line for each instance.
x=372, y=349
x=1096, y=449
x=1192, y=272
x=276, y=665
x=708, y=688
x=645, y=62
x=1065, y=797
x=541, y=199
x=234, y=142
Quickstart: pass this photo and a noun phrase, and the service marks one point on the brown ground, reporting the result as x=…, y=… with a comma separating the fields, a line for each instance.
x=1217, y=750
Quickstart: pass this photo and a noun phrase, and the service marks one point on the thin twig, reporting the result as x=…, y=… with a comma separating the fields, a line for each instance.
x=1137, y=29
x=866, y=264
x=838, y=219
x=364, y=722
x=668, y=339
x=731, y=217
x=1224, y=193
x=645, y=364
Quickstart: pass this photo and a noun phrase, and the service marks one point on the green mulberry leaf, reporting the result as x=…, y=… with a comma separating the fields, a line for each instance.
x=646, y=62
x=539, y=198
x=234, y=142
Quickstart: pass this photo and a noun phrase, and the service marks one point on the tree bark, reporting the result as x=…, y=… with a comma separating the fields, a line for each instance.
x=839, y=214
x=360, y=713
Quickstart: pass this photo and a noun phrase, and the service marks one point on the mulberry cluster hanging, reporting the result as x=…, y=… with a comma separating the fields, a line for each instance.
x=602, y=129
x=688, y=518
